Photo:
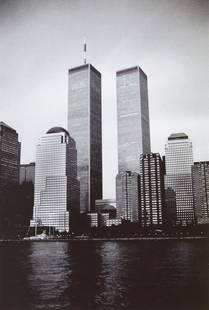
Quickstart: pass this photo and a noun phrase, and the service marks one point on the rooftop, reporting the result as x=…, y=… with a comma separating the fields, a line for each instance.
x=85, y=66
x=177, y=136
x=57, y=130
x=128, y=70
x=5, y=125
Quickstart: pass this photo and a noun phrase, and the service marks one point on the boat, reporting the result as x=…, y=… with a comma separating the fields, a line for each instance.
x=42, y=236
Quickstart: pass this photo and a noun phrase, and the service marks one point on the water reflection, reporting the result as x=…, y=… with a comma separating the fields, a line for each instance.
x=85, y=276
x=49, y=275
x=104, y=275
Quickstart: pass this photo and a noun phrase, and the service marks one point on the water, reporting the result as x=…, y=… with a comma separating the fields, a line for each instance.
x=171, y=275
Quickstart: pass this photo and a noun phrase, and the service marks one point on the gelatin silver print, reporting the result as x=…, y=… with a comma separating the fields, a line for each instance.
x=104, y=155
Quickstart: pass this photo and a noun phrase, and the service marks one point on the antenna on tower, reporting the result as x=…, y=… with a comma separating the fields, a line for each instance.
x=84, y=52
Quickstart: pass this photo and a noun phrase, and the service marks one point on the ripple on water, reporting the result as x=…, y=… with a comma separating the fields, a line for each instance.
x=105, y=275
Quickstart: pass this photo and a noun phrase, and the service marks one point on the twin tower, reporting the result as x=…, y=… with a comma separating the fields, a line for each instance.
x=85, y=126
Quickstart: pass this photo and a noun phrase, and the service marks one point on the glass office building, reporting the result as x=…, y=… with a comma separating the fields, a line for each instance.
x=85, y=125
x=133, y=118
x=128, y=195
x=56, y=187
x=178, y=162
x=152, y=202
x=200, y=182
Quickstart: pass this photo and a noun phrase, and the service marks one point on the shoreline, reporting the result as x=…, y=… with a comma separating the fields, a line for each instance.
x=111, y=239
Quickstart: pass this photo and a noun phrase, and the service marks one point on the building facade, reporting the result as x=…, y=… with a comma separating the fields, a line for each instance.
x=85, y=125
x=128, y=195
x=178, y=161
x=93, y=219
x=56, y=187
x=9, y=156
x=113, y=222
x=152, y=203
x=103, y=219
x=27, y=173
x=200, y=182
x=170, y=207
x=132, y=118
x=106, y=206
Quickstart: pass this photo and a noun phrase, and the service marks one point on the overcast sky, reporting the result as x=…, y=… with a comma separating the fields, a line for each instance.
x=168, y=39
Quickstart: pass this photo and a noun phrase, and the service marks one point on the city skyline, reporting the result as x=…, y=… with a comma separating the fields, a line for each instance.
x=107, y=103
x=35, y=58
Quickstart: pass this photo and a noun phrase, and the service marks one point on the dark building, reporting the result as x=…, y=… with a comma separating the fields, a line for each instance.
x=200, y=183
x=170, y=207
x=9, y=156
x=85, y=125
x=128, y=195
x=27, y=173
x=152, y=190
x=164, y=168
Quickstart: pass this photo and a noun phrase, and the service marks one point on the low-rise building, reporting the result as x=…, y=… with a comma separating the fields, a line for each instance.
x=93, y=220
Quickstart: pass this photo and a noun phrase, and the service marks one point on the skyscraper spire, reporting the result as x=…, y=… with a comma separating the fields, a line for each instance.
x=84, y=52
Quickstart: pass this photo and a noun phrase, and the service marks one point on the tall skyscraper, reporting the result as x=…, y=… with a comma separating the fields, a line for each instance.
x=9, y=156
x=200, y=182
x=128, y=195
x=152, y=204
x=56, y=187
x=133, y=118
x=178, y=161
x=133, y=138
x=85, y=125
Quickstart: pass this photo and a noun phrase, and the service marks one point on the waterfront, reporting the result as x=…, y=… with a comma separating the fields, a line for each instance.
x=105, y=275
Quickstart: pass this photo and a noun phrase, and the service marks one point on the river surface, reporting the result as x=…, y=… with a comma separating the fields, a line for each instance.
x=104, y=275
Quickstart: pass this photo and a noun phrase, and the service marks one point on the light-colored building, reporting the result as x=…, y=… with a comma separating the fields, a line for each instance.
x=56, y=188
x=132, y=118
x=114, y=222
x=128, y=195
x=85, y=126
x=27, y=173
x=92, y=219
x=152, y=194
x=200, y=181
x=178, y=162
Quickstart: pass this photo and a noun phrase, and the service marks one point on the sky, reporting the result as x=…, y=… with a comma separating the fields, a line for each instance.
x=168, y=39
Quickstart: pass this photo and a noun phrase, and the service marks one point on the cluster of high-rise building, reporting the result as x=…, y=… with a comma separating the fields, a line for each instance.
x=67, y=174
